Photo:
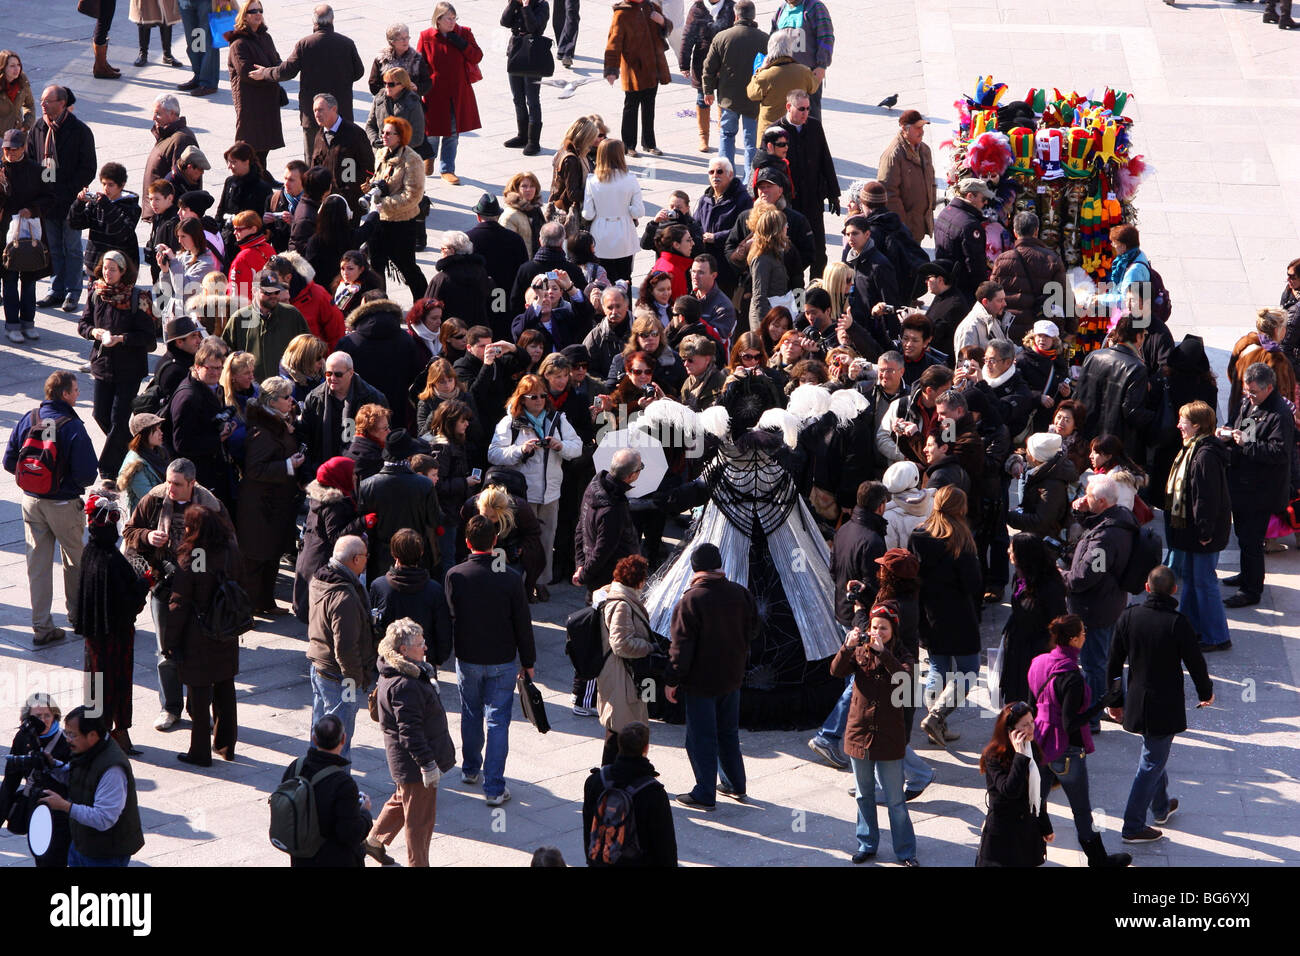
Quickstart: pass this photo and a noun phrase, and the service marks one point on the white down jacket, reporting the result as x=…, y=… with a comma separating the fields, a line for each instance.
x=541, y=470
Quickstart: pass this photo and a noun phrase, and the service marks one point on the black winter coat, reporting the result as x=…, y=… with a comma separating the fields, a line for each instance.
x=329, y=63
x=503, y=251
x=712, y=627
x=1026, y=632
x=697, y=36
x=202, y=661
x=464, y=288
x=1012, y=834
x=343, y=823
x=959, y=238
x=368, y=455
x=197, y=436
x=244, y=192
x=410, y=592
x=1045, y=507
x=74, y=160
x=945, y=314
x=950, y=595
x=874, y=281
x=1210, y=519
x=413, y=720
x=812, y=170
x=545, y=259
x=1042, y=373
x=947, y=471
x=323, y=434
x=858, y=542
x=399, y=498
x=489, y=614
x=605, y=533
x=1259, y=472
x=1015, y=402
x=128, y=361
x=24, y=189
x=382, y=355
x=330, y=515
x=1113, y=387
x=268, y=494
x=1092, y=583
x=1158, y=642
x=650, y=806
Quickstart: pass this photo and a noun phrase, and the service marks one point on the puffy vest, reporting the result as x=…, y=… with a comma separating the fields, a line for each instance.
x=123, y=838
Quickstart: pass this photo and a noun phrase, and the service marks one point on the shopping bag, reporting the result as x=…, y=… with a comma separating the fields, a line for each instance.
x=995, y=673
x=221, y=22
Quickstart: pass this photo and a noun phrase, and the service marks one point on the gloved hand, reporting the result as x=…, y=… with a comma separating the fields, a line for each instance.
x=833, y=204
x=456, y=40
x=380, y=188
x=430, y=775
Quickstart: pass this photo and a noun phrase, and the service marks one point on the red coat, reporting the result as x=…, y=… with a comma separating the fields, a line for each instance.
x=323, y=317
x=679, y=267
x=451, y=87
x=248, y=262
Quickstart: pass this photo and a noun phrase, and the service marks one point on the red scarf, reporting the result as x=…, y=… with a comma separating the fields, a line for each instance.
x=1046, y=353
x=118, y=295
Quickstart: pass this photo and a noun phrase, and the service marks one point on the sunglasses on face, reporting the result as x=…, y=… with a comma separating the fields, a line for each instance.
x=538, y=397
x=391, y=83
x=783, y=143
x=329, y=374
x=641, y=371
x=750, y=356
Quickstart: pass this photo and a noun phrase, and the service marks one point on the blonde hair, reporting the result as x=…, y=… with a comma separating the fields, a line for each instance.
x=580, y=136
x=834, y=278
x=1267, y=321
x=610, y=160
x=439, y=369
x=235, y=361
x=241, y=19
x=768, y=233
x=495, y=504
x=302, y=357
x=947, y=521
x=398, y=75
x=441, y=10
x=645, y=322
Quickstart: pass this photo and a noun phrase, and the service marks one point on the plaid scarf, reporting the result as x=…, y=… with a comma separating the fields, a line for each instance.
x=1178, y=488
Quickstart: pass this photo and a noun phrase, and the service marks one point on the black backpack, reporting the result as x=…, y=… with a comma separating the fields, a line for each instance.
x=1148, y=551
x=613, y=837
x=1161, y=305
x=582, y=643
x=907, y=257
x=229, y=615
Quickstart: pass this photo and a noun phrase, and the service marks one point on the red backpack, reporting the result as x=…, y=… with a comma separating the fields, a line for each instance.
x=38, y=471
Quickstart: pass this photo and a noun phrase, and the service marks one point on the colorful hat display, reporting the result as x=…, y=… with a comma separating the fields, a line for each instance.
x=1023, y=150
x=989, y=154
x=1051, y=147
x=1078, y=153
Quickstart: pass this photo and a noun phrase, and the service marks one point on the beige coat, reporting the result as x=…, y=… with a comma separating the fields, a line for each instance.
x=19, y=113
x=155, y=11
x=403, y=173
x=770, y=85
x=626, y=632
x=908, y=178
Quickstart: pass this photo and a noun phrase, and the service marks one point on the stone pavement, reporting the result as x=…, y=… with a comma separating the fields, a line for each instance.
x=1216, y=113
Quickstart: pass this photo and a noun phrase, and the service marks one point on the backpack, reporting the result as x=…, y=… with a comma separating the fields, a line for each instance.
x=582, y=643
x=613, y=825
x=39, y=469
x=295, y=825
x=907, y=257
x=229, y=615
x=1161, y=304
x=1148, y=551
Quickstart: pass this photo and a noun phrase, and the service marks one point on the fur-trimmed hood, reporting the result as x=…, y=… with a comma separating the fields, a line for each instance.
x=516, y=201
x=391, y=658
x=318, y=492
x=381, y=319
x=300, y=265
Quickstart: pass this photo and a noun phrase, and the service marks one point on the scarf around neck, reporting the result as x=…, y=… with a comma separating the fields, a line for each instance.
x=1178, y=488
x=116, y=294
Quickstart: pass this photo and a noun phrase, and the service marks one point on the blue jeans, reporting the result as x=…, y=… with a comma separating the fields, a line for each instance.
x=945, y=667
x=448, y=144
x=77, y=859
x=328, y=697
x=171, y=692
x=1092, y=660
x=1072, y=771
x=838, y=719
x=749, y=138
x=447, y=550
x=65, y=257
x=713, y=744
x=1201, y=600
x=204, y=60
x=19, y=299
x=486, y=691
x=1151, y=784
x=889, y=775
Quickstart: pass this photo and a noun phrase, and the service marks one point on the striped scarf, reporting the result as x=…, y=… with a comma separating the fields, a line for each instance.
x=1177, y=488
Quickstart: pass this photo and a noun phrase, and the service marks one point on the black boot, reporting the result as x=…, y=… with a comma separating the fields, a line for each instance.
x=520, y=138
x=168, y=60
x=143, y=58
x=534, y=139
x=1270, y=11
x=1097, y=855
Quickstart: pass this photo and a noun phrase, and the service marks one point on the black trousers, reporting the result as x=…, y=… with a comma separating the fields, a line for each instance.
x=611, y=748
x=527, y=93
x=396, y=243
x=212, y=719
x=564, y=19
x=113, y=415
x=643, y=100
x=259, y=582
x=618, y=269
x=1251, y=524
x=164, y=32
x=107, y=9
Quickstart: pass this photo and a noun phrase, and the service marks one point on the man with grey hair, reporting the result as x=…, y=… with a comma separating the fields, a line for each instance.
x=1092, y=585
x=704, y=380
x=329, y=412
x=153, y=532
x=728, y=66
x=610, y=334
x=814, y=37
x=342, y=147
x=171, y=138
x=1033, y=277
x=64, y=146
x=549, y=257
x=341, y=641
x=722, y=205
x=1261, y=443
x=329, y=63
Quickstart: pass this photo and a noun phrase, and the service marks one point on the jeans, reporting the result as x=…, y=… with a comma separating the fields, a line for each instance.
x=1251, y=524
x=1092, y=660
x=447, y=549
x=643, y=100
x=46, y=521
x=749, y=139
x=1200, y=588
x=486, y=691
x=204, y=60
x=448, y=144
x=965, y=668
x=171, y=692
x=77, y=859
x=113, y=416
x=19, y=300
x=328, y=697
x=713, y=744
x=1151, y=784
x=527, y=91
x=1072, y=772
x=889, y=775
x=838, y=719
x=564, y=20
x=65, y=257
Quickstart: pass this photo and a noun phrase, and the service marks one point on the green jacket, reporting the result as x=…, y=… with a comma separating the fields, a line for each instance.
x=266, y=337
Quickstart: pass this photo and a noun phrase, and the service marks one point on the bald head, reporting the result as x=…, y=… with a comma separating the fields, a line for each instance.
x=625, y=465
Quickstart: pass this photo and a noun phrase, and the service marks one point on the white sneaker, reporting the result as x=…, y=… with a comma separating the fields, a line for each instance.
x=580, y=711
x=165, y=721
x=15, y=336
x=471, y=779
x=502, y=797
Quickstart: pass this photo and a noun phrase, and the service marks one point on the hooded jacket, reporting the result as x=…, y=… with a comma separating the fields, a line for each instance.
x=341, y=640
x=382, y=354
x=411, y=592
x=411, y=717
x=324, y=319
x=330, y=515
x=650, y=808
x=770, y=84
x=1092, y=584
x=904, y=513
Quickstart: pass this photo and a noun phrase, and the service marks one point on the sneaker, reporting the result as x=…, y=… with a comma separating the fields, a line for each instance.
x=828, y=751
x=15, y=336
x=1211, y=648
x=471, y=779
x=500, y=798
x=862, y=856
x=49, y=637
x=1241, y=599
x=71, y=304
x=686, y=800
x=580, y=711
x=165, y=720
x=1145, y=835
x=1173, y=808
x=377, y=851
x=740, y=797
x=934, y=729
x=913, y=862
x=31, y=334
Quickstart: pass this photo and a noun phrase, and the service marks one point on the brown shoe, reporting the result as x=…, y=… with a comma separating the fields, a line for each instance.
x=49, y=637
x=103, y=70
x=451, y=179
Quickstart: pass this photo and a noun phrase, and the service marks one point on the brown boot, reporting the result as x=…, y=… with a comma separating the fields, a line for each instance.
x=702, y=117
x=102, y=70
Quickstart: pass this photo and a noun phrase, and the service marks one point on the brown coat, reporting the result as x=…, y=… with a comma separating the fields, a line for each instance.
x=770, y=85
x=635, y=47
x=169, y=143
x=155, y=11
x=257, y=102
x=1246, y=353
x=1031, y=274
x=19, y=113
x=875, y=728
x=908, y=178
x=202, y=661
x=267, y=493
x=626, y=631
x=350, y=143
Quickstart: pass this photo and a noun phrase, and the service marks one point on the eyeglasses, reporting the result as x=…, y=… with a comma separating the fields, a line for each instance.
x=641, y=371
x=329, y=374
x=538, y=397
x=802, y=109
x=717, y=172
x=391, y=83
x=214, y=368
x=784, y=142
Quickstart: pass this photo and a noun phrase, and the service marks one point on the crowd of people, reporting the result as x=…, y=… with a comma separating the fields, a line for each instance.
x=401, y=459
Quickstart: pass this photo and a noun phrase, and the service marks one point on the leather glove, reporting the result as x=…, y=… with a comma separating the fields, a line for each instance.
x=834, y=206
x=456, y=40
x=430, y=775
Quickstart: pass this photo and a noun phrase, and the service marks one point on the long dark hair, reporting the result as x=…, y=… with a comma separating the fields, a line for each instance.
x=333, y=221
x=1113, y=448
x=1033, y=561
x=892, y=586
x=999, y=748
x=204, y=529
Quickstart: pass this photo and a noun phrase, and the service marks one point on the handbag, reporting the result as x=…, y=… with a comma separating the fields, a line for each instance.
x=221, y=22
x=530, y=702
x=372, y=703
x=25, y=252
x=89, y=7
x=529, y=54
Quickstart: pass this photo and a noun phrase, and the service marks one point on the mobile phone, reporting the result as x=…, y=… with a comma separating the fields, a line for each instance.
x=302, y=450
x=476, y=474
